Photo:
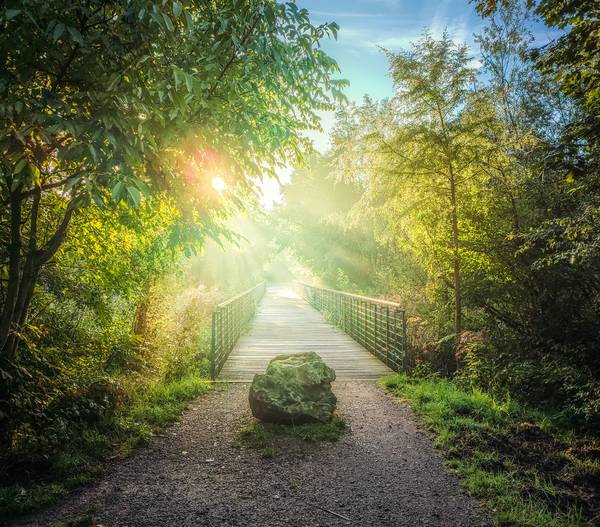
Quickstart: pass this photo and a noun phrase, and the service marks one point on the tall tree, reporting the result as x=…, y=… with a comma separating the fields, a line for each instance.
x=572, y=58
x=107, y=101
x=433, y=81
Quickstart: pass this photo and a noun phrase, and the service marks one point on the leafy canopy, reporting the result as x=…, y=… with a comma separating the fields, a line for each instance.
x=127, y=95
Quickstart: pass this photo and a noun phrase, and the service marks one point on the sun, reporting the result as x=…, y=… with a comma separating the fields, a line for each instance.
x=219, y=184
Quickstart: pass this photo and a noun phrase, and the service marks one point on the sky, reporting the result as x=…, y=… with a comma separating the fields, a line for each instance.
x=366, y=26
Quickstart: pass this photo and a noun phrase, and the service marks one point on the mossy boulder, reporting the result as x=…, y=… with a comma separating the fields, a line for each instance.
x=295, y=389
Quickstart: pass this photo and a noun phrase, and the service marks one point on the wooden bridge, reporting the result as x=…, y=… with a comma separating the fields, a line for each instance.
x=284, y=321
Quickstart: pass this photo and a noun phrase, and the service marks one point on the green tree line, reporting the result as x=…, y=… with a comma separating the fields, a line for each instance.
x=472, y=196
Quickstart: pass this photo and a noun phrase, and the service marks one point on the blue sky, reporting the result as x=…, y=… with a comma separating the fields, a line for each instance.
x=367, y=25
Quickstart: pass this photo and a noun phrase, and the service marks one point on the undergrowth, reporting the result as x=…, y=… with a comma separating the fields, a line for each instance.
x=35, y=480
x=528, y=469
x=268, y=438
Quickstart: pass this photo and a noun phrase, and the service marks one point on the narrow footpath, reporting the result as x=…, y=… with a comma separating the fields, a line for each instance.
x=383, y=472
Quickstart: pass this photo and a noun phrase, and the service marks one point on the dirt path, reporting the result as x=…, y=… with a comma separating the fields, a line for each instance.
x=383, y=472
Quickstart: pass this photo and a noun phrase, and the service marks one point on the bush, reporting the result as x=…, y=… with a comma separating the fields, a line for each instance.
x=87, y=386
x=34, y=475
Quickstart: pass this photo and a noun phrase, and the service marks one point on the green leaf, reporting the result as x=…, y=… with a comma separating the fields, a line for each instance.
x=116, y=191
x=168, y=22
x=93, y=151
x=12, y=13
x=177, y=75
x=15, y=184
x=188, y=20
x=177, y=9
x=98, y=200
x=71, y=182
x=35, y=172
x=143, y=187
x=188, y=82
x=59, y=29
x=20, y=166
x=115, y=79
x=135, y=195
x=75, y=35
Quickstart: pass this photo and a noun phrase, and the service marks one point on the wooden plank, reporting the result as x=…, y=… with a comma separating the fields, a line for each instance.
x=285, y=323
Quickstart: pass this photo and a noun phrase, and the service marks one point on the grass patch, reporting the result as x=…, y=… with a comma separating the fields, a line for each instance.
x=268, y=438
x=520, y=462
x=37, y=479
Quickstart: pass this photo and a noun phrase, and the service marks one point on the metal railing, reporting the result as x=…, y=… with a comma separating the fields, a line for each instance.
x=378, y=325
x=230, y=320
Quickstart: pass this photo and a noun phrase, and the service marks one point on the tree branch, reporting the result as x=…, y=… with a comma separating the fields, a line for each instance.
x=55, y=242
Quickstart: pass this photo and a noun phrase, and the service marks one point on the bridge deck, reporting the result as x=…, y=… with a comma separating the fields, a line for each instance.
x=285, y=323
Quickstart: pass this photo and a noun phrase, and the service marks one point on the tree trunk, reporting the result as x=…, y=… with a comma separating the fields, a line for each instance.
x=140, y=322
x=456, y=258
x=23, y=269
x=14, y=268
x=455, y=232
x=26, y=288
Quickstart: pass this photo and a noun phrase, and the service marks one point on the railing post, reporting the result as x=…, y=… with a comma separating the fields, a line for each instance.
x=387, y=333
x=212, y=347
x=398, y=325
x=374, y=308
x=404, y=336
x=364, y=317
x=355, y=310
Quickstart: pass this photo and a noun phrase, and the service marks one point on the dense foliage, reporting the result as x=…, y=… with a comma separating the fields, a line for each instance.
x=115, y=119
x=475, y=199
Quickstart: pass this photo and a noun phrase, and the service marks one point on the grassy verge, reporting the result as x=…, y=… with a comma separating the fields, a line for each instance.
x=268, y=438
x=528, y=470
x=50, y=474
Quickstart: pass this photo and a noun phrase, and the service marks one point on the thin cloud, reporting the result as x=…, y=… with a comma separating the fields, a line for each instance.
x=395, y=42
x=347, y=14
x=363, y=38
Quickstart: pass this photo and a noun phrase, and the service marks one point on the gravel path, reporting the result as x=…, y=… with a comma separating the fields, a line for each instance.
x=382, y=472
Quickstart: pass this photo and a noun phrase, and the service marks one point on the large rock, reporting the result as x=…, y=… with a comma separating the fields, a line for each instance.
x=295, y=389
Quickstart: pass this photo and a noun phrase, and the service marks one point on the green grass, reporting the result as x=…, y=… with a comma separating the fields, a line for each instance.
x=83, y=459
x=268, y=438
x=528, y=470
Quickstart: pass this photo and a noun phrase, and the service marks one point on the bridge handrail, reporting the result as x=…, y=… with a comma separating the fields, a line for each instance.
x=239, y=295
x=378, y=325
x=381, y=301
x=229, y=320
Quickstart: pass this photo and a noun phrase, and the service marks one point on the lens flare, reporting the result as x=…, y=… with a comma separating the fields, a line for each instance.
x=219, y=184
